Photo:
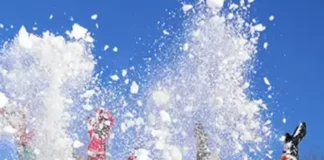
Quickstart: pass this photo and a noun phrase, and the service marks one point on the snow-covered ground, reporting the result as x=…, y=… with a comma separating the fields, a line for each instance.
x=51, y=78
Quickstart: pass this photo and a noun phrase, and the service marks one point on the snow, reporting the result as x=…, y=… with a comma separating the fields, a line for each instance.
x=139, y=103
x=23, y=38
x=186, y=8
x=165, y=117
x=94, y=16
x=3, y=100
x=87, y=107
x=51, y=16
x=124, y=72
x=142, y=154
x=271, y=18
x=165, y=32
x=185, y=47
x=1, y=25
x=88, y=93
x=114, y=77
x=259, y=27
x=126, y=81
x=80, y=33
x=77, y=144
x=115, y=49
x=134, y=88
x=265, y=45
x=215, y=4
x=250, y=1
x=266, y=81
x=160, y=97
x=284, y=120
x=106, y=47
x=9, y=129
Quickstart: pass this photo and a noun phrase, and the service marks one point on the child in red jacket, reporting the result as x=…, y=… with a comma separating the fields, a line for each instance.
x=99, y=129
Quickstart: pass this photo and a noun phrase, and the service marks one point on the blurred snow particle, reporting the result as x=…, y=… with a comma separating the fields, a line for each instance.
x=185, y=47
x=215, y=4
x=266, y=81
x=124, y=72
x=259, y=27
x=114, y=77
x=160, y=97
x=3, y=100
x=165, y=32
x=186, y=8
x=106, y=47
x=9, y=129
x=51, y=16
x=94, y=17
x=271, y=18
x=284, y=120
x=134, y=88
x=265, y=45
x=115, y=49
x=77, y=144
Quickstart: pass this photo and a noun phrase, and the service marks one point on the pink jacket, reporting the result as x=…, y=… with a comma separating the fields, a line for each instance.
x=99, y=129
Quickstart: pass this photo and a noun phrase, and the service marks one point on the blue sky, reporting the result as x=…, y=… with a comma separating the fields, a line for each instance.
x=293, y=62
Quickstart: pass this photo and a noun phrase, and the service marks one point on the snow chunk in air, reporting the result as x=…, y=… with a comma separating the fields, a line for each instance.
x=266, y=81
x=215, y=4
x=115, y=49
x=77, y=144
x=106, y=47
x=114, y=77
x=265, y=45
x=186, y=8
x=134, y=88
x=160, y=97
x=94, y=17
x=259, y=27
x=3, y=100
x=271, y=18
x=80, y=33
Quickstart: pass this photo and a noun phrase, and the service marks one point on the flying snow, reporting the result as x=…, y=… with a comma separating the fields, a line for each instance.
x=134, y=88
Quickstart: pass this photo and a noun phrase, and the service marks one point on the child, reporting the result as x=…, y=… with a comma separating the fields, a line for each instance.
x=18, y=121
x=291, y=142
x=99, y=129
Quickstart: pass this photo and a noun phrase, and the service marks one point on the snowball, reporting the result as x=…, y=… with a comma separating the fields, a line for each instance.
x=77, y=144
x=215, y=4
x=134, y=88
x=114, y=77
x=186, y=8
x=94, y=17
x=3, y=100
